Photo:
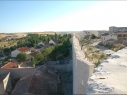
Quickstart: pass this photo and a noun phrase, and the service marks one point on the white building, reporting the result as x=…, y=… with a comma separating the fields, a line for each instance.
x=19, y=50
x=108, y=38
x=51, y=42
x=113, y=29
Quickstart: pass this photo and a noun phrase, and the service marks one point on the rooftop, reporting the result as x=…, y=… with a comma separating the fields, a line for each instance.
x=35, y=83
x=31, y=84
x=22, y=49
x=10, y=65
x=110, y=76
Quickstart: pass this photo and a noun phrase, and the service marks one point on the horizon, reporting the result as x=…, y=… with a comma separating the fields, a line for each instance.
x=61, y=16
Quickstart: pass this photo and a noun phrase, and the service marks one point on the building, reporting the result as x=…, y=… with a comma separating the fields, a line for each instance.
x=10, y=65
x=19, y=50
x=41, y=82
x=5, y=84
x=114, y=29
x=108, y=38
x=51, y=42
x=41, y=44
x=101, y=32
x=121, y=36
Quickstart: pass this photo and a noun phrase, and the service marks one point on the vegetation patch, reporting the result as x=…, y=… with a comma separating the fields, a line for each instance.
x=114, y=47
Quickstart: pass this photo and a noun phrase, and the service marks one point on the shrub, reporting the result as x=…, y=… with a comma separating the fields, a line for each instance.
x=97, y=63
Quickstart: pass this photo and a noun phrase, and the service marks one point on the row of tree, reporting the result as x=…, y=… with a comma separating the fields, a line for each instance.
x=33, y=39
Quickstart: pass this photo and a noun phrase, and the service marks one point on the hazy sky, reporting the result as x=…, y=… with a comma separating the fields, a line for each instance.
x=31, y=16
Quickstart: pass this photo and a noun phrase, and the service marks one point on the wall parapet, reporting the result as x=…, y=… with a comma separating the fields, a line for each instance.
x=82, y=69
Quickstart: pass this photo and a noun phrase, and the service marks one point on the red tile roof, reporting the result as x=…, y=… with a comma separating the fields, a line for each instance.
x=23, y=49
x=10, y=65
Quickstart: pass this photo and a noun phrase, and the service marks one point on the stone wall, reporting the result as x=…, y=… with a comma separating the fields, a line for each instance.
x=17, y=72
x=66, y=67
x=82, y=69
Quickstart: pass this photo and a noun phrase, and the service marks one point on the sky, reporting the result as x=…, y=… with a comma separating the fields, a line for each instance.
x=39, y=16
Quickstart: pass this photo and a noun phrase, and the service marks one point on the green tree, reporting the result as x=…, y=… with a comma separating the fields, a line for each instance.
x=93, y=36
x=22, y=57
x=39, y=56
x=34, y=61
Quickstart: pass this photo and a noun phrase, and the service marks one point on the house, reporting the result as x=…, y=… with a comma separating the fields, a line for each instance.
x=10, y=65
x=51, y=42
x=5, y=84
x=107, y=38
x=41, y=44
x=39, y=82
x=19, y=50
x=121, y=35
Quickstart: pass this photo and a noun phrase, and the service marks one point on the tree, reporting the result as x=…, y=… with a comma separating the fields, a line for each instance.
x=6, y=50
x=34, y=61
x=93, y=36
x=22, y=57
x=39, y=56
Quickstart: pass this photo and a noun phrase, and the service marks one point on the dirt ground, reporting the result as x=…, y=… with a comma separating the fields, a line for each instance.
x=19, y=35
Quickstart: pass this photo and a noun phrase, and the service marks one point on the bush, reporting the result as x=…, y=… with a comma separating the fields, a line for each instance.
x=101, y=44
x=97, y=63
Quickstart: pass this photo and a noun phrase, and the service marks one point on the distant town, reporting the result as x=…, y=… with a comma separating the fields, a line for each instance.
x=82, y=62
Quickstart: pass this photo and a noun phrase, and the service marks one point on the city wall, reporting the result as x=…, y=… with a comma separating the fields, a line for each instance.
x=82, y=69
